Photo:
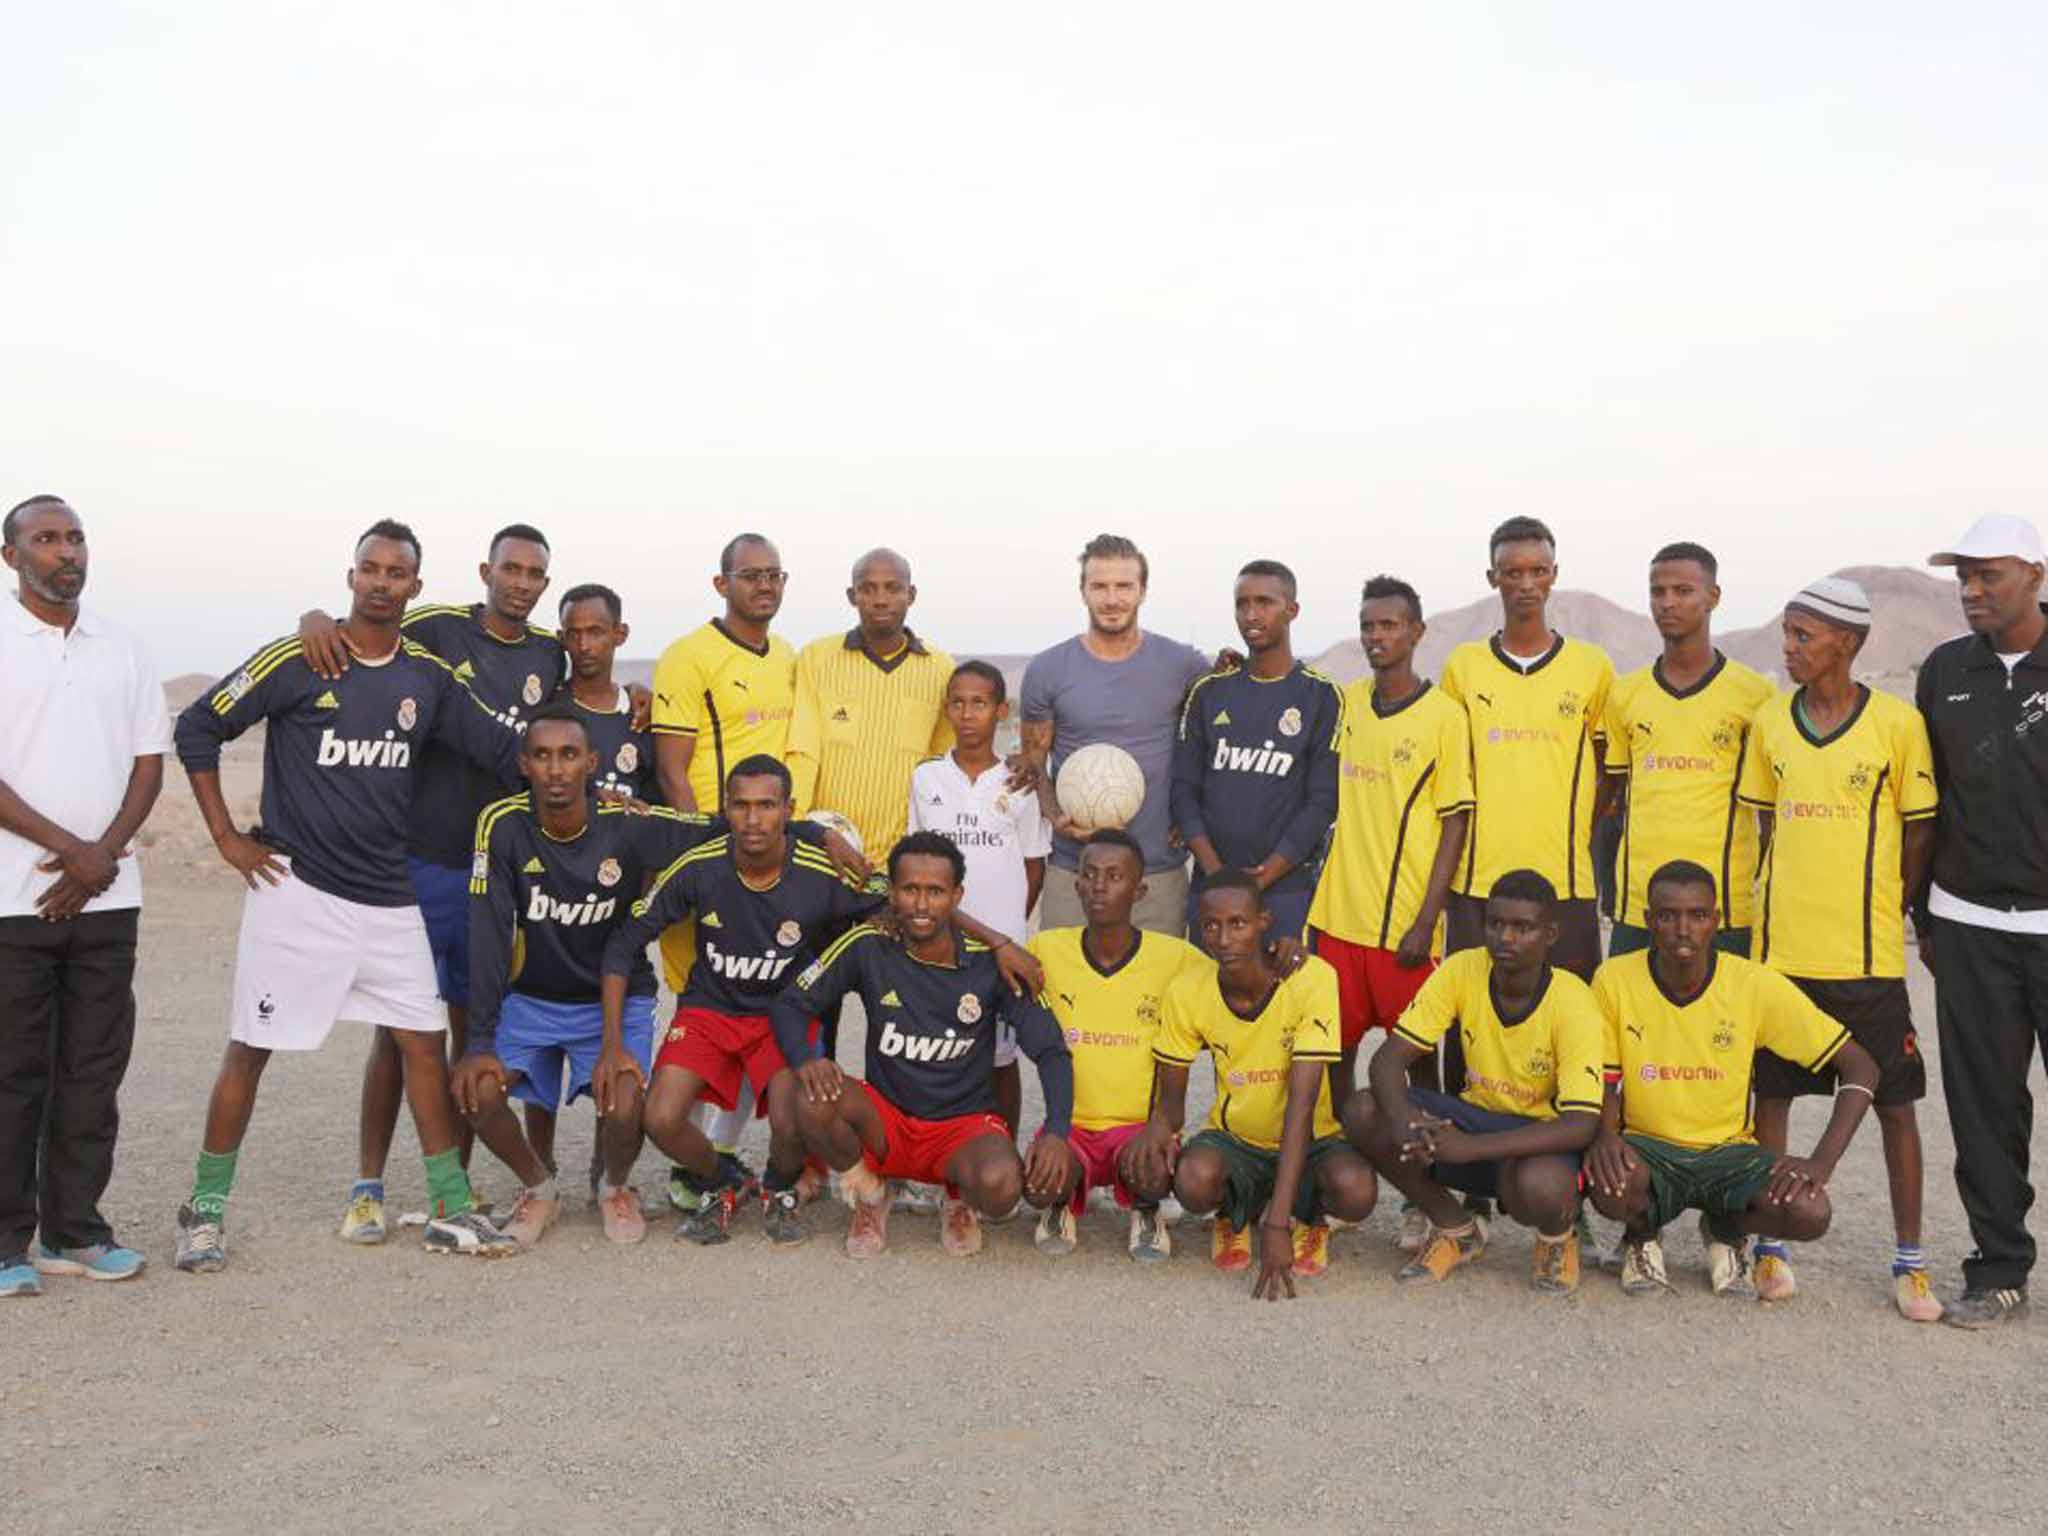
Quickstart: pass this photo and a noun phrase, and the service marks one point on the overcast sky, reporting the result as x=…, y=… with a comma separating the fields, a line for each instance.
x=1337, y=284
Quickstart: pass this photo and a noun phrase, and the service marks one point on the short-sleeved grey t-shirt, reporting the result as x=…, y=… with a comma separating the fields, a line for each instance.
x=1133, y=704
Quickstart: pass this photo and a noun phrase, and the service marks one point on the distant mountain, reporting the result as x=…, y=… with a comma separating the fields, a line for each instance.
x=1911, y=613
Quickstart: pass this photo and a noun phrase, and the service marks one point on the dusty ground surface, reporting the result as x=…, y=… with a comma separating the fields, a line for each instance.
x=315, y=1387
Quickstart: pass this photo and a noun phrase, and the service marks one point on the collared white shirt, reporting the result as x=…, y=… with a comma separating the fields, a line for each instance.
x=76, y=710
x=996, y=828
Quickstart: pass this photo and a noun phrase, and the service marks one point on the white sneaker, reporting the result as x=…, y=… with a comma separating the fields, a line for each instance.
x=1727, y=1265
x=1642, y=1269
x=1151, y=1242
x=1057, y=1233
x=1414, y=1230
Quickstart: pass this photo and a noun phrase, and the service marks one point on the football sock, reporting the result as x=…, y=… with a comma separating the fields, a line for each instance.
x=1772, y=1247
x=1908, y=1257
x=545, y=1189
x=448, y=1192
x=216, y=1176
x=374, y=1188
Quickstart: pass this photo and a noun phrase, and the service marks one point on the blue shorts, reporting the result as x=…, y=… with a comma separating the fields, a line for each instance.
x=443, y=891
x=1472, y=1178
x=536, y=1036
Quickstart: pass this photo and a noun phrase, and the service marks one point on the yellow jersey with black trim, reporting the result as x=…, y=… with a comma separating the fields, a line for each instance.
x=1684, y=1068
x=1253, y=1056
x=1535, y=734
x=1541, y=1062
x=1400, y=772
x=1682, y=752
x=1110, y=1018
x=862, y=723
x=1833, y=893
x=732, y=699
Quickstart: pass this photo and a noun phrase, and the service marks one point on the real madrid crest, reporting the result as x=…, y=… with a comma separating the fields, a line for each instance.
x=790, y=934
x=970, y=1008
x=532, y=691
x=628, y=758
x=408, y=713
x=608, y=872
x=1290, y=721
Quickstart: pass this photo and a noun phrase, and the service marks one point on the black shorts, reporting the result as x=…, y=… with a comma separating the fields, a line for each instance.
x=1578, y=932
x=1879, y=1018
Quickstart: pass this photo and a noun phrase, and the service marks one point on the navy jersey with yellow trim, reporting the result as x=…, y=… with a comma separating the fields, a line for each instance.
x=931, y=1046
x=342, y=759
x=625, y=757
x=748, y=942
x=511, y=677
x=542, y=908
x=1255, y=768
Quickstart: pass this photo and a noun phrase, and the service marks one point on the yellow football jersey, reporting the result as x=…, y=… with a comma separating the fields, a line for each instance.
x=734, y=699
x=1535, y=761
x=1111, y=1018
x=1682, y=754
x=1684, y=1069
x=1252, y=1057
x=1399, y=774
x=1832, y=897
x=861, y=726
x=1539, y=1065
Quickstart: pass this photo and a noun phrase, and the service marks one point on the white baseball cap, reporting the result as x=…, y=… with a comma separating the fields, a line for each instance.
x=1994, y=536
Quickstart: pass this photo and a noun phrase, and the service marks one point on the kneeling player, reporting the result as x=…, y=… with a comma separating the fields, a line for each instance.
x=1106, y=984
x=553, y=881
x=1272, y=1148
x=1531, y=1101
x=763, y=904
x=1683, y=1023
x=927, y=1111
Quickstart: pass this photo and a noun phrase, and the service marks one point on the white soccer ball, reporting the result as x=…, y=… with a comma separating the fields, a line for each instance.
x=1100, y=786
x=832, y=821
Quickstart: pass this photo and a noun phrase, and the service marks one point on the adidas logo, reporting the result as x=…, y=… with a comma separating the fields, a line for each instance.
x=1222, y=717
x=327, y=700
x=534, y=867
x=841, y=715
x=890, y=1000
x=709, y=920
x=465, y=672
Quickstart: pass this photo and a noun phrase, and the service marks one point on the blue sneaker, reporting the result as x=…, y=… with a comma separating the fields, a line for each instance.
x=101, y=1261
x=18, y=1277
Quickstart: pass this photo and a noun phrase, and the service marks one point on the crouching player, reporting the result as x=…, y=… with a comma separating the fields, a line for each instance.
x=762, y=904
x=1530, y=1107
x=1106, y=983
x=1272, y=1149
x=553, y=880
x=1684, y=1022
x=927, y=1110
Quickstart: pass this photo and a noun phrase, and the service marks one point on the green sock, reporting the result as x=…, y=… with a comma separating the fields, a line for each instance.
x=447, y=1183
x=215, y=1178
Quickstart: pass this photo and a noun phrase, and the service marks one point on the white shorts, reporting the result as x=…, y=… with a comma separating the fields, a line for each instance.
x=1006, y=1044
x=306, y=959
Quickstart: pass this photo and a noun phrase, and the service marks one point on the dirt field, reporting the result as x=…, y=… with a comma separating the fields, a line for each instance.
x=316, y=1387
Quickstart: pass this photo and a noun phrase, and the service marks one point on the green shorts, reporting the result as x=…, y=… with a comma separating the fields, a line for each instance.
x=1249, y=1171
x=1720, y=1181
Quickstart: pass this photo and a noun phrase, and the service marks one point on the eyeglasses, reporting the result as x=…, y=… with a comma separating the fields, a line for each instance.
x=761, y=576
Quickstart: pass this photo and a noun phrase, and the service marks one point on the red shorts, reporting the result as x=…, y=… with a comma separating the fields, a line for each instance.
x=919, y=1150
x=1373, y=988
x=1098, y=1152
x=722, y=1048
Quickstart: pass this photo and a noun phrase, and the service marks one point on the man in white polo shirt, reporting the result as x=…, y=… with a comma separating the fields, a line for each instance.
x=81, y=762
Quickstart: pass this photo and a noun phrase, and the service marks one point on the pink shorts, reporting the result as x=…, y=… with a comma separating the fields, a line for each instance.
x=1098, y=1152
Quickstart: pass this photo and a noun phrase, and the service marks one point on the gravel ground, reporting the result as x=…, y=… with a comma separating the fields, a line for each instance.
x=315, y=1387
